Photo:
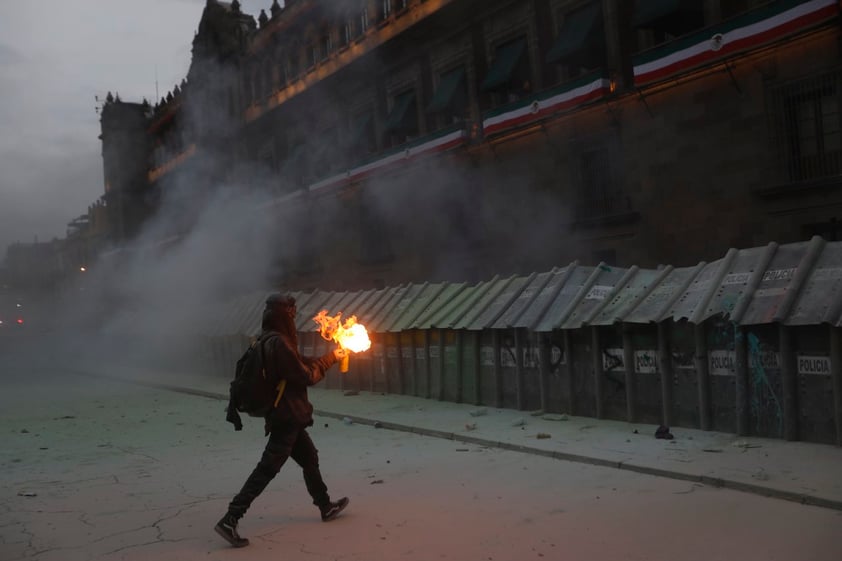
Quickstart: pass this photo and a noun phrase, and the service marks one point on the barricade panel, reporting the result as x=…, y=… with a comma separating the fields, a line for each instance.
x=815, y=384
x=685, y=380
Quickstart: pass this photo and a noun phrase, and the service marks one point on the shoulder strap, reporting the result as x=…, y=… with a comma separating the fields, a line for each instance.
x=261, y=341
x=282, y=383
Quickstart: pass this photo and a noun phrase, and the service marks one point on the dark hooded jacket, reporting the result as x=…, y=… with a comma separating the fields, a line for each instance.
x=284, y=361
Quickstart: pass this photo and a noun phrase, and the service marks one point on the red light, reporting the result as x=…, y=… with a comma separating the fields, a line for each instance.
x=20, y=321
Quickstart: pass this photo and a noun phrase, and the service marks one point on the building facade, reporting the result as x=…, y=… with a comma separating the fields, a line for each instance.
x=412, y=140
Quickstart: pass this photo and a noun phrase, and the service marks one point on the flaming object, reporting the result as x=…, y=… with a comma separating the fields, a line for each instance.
x=349, y=335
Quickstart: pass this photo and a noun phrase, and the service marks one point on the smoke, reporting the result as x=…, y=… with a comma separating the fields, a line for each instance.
x=157, y=298
x=442, y=218
x=208, y=241
x=470, y=220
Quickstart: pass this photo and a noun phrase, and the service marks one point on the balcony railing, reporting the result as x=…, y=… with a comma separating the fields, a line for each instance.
x=806, y=126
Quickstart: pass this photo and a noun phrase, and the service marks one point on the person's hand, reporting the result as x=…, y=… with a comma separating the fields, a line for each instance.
x=340, y=353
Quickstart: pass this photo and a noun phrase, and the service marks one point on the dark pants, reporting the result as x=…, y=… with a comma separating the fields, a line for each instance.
x=284, y=442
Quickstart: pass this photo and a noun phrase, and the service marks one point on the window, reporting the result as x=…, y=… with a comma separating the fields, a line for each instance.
x=450, y=100
x=315, y=55
x=599, y=195
x=364, y=20
x=509, y=76
x=402, y=121
x=327, y=46
x=347, y=34
x=385, y=9
x=806, y=126
x=363, y=137
x=292, y=69
x=580, y=44
x=659, y=21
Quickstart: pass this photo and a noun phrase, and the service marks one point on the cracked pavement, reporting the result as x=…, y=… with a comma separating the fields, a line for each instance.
x=100, y=469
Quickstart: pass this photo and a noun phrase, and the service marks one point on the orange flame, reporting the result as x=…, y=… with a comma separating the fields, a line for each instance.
x=350, y=335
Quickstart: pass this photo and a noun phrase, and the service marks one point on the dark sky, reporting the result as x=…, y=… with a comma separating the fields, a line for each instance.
x=55, y=57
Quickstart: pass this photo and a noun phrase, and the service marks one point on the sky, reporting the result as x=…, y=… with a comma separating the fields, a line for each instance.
x=56, y=57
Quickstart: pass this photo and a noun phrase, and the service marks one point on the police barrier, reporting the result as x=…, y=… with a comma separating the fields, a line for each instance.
x=748, y=344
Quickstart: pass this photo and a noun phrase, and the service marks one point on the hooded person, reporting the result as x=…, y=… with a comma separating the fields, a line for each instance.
x=286, y=424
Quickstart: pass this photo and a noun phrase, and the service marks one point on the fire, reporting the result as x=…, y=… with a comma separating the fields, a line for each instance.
x=349, y=335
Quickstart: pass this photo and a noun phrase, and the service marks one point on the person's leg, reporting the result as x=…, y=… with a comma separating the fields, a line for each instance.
x=278, y=449
x=306, y=455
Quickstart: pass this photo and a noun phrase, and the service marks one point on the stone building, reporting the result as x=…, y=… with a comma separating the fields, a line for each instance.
x=412, y=140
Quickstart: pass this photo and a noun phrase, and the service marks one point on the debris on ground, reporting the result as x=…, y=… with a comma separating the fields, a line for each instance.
x=543, y=435
x=760, y=475
x=663, y=433
x=470, y=426
x=378, y=424
x=376, y=482
x=745, y=444
x=712, y=450
x=347, y=420
x=27, y=494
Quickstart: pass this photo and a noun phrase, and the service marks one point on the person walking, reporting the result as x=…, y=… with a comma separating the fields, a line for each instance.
x=286, y=424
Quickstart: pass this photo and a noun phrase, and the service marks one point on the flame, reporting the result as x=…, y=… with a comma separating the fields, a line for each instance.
x=350, y=335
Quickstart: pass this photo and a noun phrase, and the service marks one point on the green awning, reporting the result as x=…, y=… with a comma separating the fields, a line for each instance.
x=578, y=32
x=449, y=84
x=506, y=58
x=395, y=119
x=648, y=11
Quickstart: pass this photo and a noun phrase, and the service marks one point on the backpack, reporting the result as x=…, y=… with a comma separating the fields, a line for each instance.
x=253, y=391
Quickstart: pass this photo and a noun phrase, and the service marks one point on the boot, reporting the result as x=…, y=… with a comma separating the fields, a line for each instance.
x=332, y=510
x=227, y=528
